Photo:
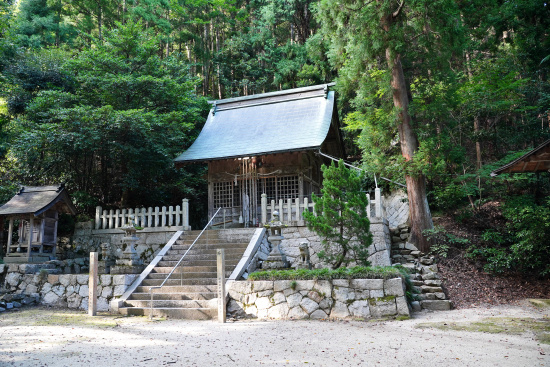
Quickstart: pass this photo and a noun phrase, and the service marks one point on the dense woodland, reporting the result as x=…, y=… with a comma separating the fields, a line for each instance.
x=104, y=94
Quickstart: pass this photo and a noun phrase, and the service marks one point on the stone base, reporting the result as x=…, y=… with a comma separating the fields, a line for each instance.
x=275, y=264
x=127, y=269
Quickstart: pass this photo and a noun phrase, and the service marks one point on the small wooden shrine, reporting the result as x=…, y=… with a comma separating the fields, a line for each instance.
x=537, y=160
x=35, y=212
x=266, y=144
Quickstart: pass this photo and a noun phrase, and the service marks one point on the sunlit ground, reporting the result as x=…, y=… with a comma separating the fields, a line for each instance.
x=47, y=337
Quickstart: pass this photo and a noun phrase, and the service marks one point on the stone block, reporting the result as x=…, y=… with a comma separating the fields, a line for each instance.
x=102, y=304
x=83, y=291
x=433, y=283
x=305, y=285
x=375, y=293
x=13, y=268
x=279, y=311
x=64, y=279
x=13, y=279
x=384, y=308
x=119, y=279
x=410, y=246
x=323, y=287
x=262, y=285
x=343, y=294
x=402, y=307
x=59, y=290
x=416, y=306
x=281, y=285
x=249, y=299
x=430, y=276
x=339, y=311
x=340, y=282
x=440, y=295
x=107, y=292
x=31, y=288
x=314, y=296
x=105, y=279
x=118, y=290
x=428, y=289
x=318, y=315
x=82, y=279
x=297, y=313
x=394, y=287
x=50, y=299
x=437, y=305
x=278, y=298
x=309, y=305
x=369, y=284
x=294, y=300
x=242, y=287
x=3, y=268
x=263, y=303
x=360, y=309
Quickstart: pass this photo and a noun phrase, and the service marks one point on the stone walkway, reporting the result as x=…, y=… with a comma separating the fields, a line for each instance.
x=46, y=337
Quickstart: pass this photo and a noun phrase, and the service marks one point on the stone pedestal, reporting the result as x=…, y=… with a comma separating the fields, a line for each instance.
x=276, y=258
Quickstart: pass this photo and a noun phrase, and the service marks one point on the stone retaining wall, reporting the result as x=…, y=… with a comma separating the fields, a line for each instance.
x=318, y=299
x=379, y=252
x=62, y=290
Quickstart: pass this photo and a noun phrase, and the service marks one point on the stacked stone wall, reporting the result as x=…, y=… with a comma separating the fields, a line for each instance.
x=61, y=290
x=379, y=251
x=318, y=299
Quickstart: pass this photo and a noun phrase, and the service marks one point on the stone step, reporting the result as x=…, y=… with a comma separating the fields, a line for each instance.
x=192, y=269
x=165, y=303
x=178, y=289
x=172, y=263
x=436, y=305
x=210, y=246
x=185, y=275
x=232, y=255
x=188, y=281
x=173, y=296
x=205, y=261
x=175, y=313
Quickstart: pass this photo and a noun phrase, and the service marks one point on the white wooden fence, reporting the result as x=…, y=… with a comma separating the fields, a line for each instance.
x=145, y=217
x=290, y=210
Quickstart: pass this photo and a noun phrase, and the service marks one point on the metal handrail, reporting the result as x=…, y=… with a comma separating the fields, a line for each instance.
x=175, y=266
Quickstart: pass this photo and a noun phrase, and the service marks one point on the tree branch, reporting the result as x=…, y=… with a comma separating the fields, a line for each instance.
x=395, y=14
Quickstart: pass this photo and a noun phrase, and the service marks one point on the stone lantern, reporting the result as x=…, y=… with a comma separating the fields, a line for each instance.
x=276, y=258
x=129, y=263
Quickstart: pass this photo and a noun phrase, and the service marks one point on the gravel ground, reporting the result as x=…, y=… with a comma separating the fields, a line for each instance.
x=47, y=337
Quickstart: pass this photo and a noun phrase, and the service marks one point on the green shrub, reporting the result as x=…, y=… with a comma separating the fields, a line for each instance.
x=443, y=240
x=358, y=272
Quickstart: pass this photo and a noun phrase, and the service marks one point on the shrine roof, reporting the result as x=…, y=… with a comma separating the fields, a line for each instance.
x=285, y=121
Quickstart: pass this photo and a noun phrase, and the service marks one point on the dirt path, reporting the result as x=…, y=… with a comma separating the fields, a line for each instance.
x=42, y=337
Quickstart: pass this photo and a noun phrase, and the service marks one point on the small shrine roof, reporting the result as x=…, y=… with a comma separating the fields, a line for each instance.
x=537, y=160
x=37, y=199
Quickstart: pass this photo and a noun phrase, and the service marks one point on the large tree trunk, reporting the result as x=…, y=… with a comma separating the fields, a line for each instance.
x=420, y=216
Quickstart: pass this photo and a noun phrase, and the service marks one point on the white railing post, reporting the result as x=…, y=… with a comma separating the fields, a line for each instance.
x=110, y=219
x=163, y=218
x=185, y=213
x=378, y=203
x=170, y=216
x=264, y=208
x=157, y=214
x=297, y=206
x=289, y=207
x=123, y=217
x=272, y=207
x=97, y=216
x=150, y=217
x=142, y=222
x=178, y=216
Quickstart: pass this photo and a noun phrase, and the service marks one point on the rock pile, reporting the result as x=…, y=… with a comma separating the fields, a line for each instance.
x=424, y=274
x=318, y=299
x=15, y=301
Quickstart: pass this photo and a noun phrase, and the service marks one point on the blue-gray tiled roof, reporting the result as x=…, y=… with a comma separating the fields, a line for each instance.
x=292, y=120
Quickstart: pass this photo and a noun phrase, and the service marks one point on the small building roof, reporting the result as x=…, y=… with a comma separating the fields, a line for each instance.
x=285, y=121
x=37, y=199
x=537, y=160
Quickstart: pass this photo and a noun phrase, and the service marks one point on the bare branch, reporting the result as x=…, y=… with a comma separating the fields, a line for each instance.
x=396, y=13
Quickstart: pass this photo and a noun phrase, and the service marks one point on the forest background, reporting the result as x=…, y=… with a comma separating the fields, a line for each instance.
x=103, y=94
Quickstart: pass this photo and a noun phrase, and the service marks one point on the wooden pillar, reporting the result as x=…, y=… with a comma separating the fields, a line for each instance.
x=220, y=254
x=92, y=285
x=10, y=235
x=31, y=225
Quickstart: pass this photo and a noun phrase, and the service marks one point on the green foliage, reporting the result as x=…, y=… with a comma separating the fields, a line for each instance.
x=341, y=219
x=443, y=241
x=358, y=272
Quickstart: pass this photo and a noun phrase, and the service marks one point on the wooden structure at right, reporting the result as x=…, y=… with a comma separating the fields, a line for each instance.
x=35, y=210
x=537, y=160
x=261, y=153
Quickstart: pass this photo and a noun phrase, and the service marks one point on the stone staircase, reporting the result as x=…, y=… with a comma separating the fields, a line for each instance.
x=191, y=291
